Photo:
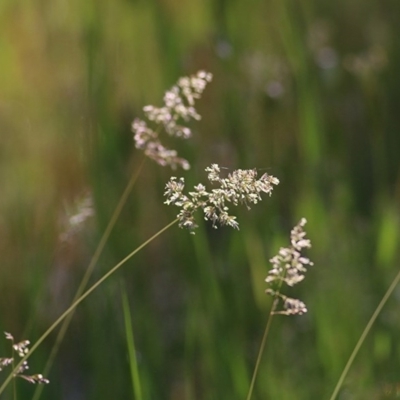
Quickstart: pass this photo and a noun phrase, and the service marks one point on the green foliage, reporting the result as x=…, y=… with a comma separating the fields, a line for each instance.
x=310, y=91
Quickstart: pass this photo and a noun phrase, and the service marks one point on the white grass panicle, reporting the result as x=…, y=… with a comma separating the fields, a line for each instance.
x=289, y=267
x=179, y=104
x=21, y=349
x=240, y=187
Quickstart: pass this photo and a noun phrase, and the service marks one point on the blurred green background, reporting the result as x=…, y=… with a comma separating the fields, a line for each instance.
x=308, y=90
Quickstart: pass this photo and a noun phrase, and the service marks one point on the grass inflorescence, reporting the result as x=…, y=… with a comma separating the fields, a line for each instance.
x=240, y=187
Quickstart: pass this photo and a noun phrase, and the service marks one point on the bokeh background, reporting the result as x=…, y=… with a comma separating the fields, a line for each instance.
x=307, y=91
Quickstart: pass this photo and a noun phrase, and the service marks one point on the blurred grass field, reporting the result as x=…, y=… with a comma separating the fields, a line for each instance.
x=310, y=91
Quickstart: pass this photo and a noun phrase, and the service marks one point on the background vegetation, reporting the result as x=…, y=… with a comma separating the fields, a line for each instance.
x=309, y=90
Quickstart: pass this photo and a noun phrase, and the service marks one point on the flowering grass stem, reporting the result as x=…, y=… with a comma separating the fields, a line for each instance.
x=89, y=272
x=79, y=300
x=288, y=268
x=262, y=347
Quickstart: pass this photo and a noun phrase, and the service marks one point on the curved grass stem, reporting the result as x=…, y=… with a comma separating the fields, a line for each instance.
x=79, y=300
x=88, y=274
x=262, y=347
x=360, y=341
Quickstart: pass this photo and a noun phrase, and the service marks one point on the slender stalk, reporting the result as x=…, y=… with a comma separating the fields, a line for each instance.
x=368, y=327
x=13, y=366
x=88, y=274
x=130, y=341
x=79, y=300
x=262, y=346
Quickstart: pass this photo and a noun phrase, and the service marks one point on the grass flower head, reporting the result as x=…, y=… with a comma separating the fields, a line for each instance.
x=21, y=349
x=240, y=187
x=289, y=267
x=179, y=104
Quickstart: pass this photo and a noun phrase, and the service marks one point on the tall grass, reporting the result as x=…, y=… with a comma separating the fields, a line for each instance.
x=74, y=76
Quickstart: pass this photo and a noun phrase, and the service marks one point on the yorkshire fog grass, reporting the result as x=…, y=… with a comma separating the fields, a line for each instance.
x=306, y=93
x=241, y=187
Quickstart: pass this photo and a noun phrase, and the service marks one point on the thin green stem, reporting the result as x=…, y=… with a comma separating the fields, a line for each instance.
x=368, y=327
x=130, y=341
x=262, y=346
x=13, y=366
x=80, y=299
x=88, y=274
